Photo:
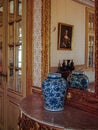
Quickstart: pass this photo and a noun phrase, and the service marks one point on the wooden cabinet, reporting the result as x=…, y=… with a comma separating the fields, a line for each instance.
x=15, y=45
x=90, y=38
x=65, y=74
x=12, y=61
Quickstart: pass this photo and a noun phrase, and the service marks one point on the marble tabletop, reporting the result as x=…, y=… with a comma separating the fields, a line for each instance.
x=70, y=118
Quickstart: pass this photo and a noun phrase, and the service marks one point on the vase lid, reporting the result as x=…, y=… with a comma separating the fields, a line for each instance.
x=54, y=75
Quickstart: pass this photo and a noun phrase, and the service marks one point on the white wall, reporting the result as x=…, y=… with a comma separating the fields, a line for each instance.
x=69, y=12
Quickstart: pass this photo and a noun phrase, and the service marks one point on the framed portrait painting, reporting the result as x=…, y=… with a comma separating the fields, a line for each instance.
x=65, y=36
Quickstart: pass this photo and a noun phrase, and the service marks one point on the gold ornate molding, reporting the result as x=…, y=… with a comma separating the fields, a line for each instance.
x=25, y=123
x=45, y=36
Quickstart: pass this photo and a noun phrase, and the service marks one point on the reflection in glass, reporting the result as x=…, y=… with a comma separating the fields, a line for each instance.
x=91, y=51
x=19, y=56
x=83, y=50
x=19, y=32
x=1, y=9
x=19, y=45
x=18, y=80
x=91, y=25
x=11, y=56
x=19, y=7
x=91, y=38
x=11, y=33
x=11, y=79
x=11, y=6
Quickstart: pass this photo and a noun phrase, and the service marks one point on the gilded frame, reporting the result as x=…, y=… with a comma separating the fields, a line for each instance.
x=65, y=32
x=81, y=99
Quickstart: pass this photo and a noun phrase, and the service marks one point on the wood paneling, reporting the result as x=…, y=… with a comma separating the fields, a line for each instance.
x=13, y=114
x=1, y=109
x=29, y=46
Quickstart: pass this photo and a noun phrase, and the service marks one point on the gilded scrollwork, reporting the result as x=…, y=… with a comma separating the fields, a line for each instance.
x=26, y=123
x=45, y=36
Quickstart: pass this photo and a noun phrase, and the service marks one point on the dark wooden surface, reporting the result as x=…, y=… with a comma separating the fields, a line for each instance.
x=70, y=118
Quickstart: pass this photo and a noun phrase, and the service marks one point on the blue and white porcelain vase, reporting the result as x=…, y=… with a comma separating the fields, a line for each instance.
x=54, y=90
x=78, y=80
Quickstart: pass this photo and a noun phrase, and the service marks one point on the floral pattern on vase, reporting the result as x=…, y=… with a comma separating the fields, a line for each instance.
x=78, y=80
x=54, y=90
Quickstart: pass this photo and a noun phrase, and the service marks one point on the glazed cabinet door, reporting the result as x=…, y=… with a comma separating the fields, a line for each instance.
x=15, y=46
x=12, y=61
x=16, y=63
x=90, y=38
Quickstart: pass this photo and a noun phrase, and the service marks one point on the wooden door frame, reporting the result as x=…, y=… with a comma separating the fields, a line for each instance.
x=29, y=40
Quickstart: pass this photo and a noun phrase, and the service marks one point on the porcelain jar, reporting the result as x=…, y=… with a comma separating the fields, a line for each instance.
x=54, y=90
x=78, y=80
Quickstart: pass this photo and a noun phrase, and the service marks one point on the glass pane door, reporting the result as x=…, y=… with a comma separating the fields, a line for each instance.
x=15, y=45
x=90, y=38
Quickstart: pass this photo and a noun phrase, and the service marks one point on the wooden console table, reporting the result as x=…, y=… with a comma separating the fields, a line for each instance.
x=34, y=117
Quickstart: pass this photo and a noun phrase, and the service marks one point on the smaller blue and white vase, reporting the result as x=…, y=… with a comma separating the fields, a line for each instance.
x=54, y=90
x=78, y=80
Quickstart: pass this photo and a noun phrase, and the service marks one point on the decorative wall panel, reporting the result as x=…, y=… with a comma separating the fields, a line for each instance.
x=37, y=47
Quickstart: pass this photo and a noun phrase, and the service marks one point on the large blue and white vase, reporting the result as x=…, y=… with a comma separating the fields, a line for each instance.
x=54, y=90
x=78, y=80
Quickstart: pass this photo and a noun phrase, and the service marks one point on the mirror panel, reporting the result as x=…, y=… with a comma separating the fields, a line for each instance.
x=82, y=61
x=81, y=99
